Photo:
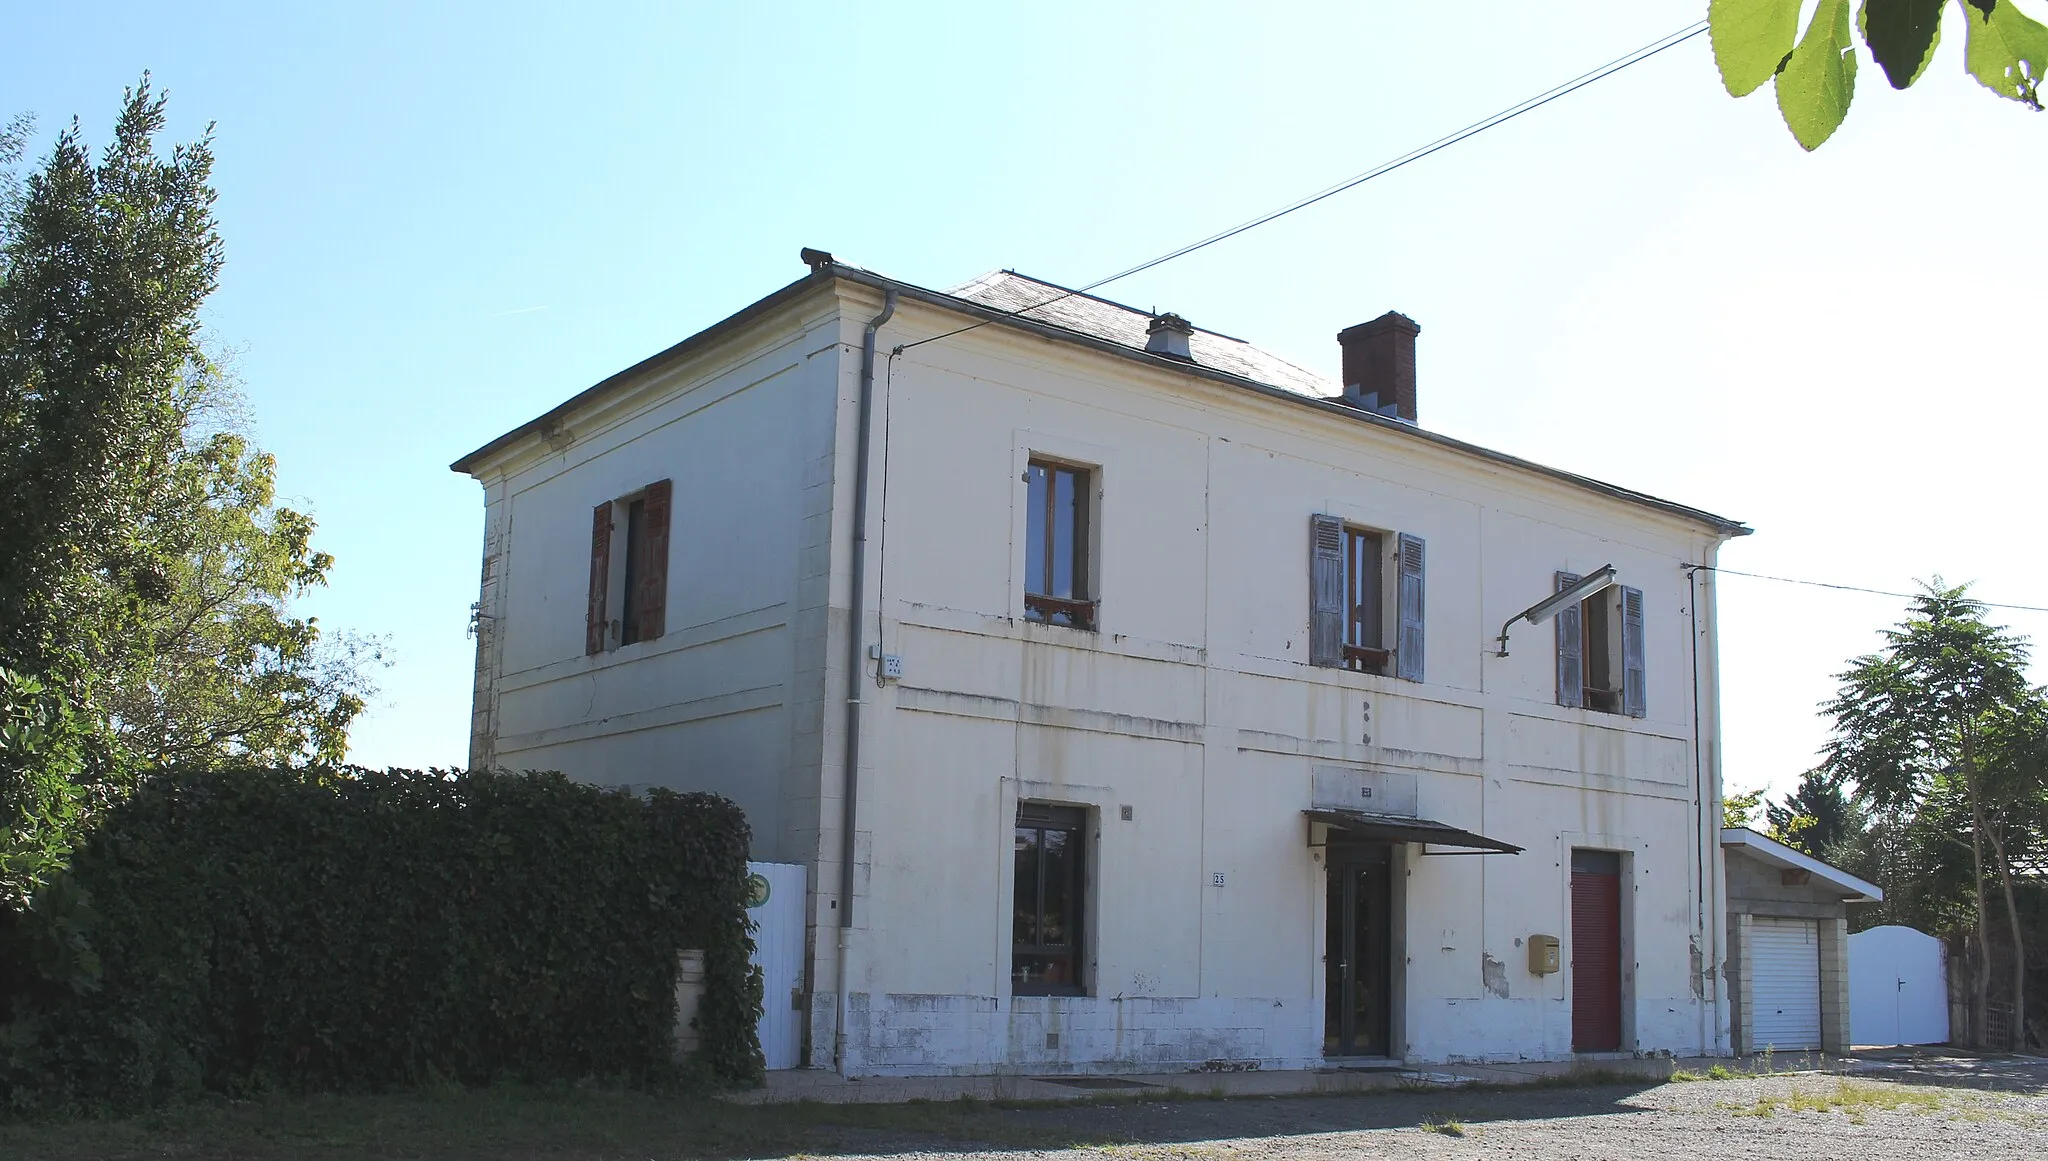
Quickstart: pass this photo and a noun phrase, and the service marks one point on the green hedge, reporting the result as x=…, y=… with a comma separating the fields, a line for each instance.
x=247, y=929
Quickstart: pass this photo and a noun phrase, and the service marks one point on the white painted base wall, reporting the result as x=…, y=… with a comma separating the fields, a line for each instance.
x=923, y=1035
x=912, y=1035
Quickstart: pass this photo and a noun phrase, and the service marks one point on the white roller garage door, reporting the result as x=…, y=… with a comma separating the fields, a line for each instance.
x=1784, y=973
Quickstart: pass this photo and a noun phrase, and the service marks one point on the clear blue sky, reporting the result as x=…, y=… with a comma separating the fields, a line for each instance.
x=443, y=219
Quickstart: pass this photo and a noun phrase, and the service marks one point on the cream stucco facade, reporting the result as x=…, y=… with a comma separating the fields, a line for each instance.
x=1188, y=727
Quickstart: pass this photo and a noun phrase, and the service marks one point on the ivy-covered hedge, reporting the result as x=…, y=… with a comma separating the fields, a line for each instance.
x=349, y=929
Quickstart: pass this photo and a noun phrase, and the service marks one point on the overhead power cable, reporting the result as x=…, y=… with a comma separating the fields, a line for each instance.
x=1417, y=154
x=1787, y=580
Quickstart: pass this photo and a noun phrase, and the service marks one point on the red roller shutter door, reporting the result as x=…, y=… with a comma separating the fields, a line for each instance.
x=1596, y=961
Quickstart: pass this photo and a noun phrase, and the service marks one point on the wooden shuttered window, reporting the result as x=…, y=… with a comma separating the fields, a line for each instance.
x=1600, y=654
x=1571, y=649
x=639, y=604
x=1634, y=687
x=1408, y=645
x=1347, y=587
x=646, y=613
x=1326, y=591
x=594, y=631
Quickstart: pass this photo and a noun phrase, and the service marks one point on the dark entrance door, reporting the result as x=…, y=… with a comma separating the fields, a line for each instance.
x=1596, y=951
x=1358, y=945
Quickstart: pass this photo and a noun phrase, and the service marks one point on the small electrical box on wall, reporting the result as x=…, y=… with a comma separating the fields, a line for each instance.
x=1542, y=955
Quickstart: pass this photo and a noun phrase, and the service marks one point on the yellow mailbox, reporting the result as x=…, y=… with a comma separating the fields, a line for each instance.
x=1542, y=954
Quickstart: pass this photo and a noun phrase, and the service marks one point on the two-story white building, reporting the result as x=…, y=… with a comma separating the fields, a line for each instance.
x=1135, y=698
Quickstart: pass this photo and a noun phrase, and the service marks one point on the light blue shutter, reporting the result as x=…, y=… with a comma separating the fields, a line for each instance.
x=1326, y=591
x=1633, y=687
x=1571, y=661
x=1408, y=646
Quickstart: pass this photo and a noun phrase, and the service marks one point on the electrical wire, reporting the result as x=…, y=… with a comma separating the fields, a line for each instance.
x=1787, y=580
x=1477, y=127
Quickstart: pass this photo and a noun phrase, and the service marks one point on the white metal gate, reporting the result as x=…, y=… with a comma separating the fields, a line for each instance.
x=1784, y=974
x=1898, y=987
x=776, y=905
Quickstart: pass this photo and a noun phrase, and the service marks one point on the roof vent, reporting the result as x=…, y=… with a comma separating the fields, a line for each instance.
x=1168, y=336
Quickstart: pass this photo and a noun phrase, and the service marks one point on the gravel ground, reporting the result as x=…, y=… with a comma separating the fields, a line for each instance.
x=1774, y=1117
x=1911, y=1110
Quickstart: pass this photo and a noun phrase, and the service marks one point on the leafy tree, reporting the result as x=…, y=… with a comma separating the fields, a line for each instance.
x=1815, y=73
x=1817, y=817
x=13, y=143
x=220, y=668
x=145, y=567
x=1916, y=857
x=54, y=770
x=103, y=268
x=1736, y=809
x=1934, y=729
x=50, y=760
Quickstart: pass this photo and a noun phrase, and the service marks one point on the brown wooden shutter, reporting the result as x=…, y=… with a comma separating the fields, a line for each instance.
x=1326, y=591
x=1571, y=648
x=650, y=574
x=1634, y=688
x=600, y=577
x=1408, y=645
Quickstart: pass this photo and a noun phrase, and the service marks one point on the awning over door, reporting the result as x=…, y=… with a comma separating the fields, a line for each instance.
x=1394, y=828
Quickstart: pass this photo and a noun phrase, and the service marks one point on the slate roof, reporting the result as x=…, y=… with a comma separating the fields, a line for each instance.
x=1100, y=318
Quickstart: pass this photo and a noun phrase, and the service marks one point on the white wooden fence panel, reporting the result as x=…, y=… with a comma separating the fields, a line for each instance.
x=1898, y=987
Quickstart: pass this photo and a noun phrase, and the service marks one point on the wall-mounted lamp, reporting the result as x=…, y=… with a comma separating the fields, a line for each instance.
x=1548, y=607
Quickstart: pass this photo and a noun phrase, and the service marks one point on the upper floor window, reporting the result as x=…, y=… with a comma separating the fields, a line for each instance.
x=1350, y=611
x=1600, y=650
x=1057, y=588
x=1365, y=572
x=628, y=599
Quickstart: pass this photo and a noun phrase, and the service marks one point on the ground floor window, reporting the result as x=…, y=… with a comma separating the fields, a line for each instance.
x=1049, y=900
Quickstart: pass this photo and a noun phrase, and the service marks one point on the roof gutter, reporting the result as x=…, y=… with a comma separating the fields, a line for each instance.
x=856, y=668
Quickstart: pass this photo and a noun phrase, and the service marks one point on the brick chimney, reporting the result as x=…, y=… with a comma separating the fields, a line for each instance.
x=1379, y=365
x=1168, y=335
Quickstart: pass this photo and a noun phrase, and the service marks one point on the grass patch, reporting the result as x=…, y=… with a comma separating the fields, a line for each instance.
x=1444, y=1123
x=1717, y=1072
x=1847, y=1097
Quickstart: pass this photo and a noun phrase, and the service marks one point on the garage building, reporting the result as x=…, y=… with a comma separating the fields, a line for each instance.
x=1788, y=945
